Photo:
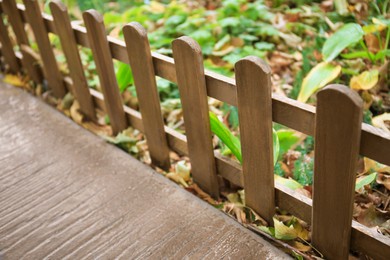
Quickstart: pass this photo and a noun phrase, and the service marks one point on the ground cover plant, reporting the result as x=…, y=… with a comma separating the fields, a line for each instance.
x=304, y=42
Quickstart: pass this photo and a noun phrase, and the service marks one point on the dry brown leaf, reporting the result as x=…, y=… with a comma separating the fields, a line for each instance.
x=201, y=194
x=299, y=246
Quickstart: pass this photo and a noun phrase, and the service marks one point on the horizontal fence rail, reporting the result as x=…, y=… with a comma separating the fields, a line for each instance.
x=370, y=141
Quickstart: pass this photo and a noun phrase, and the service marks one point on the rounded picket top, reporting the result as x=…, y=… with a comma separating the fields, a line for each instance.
x=93, y=15
x=253, y=61
x=186, y=44
x=342, y=93
x=135, y=29
x=57, y=7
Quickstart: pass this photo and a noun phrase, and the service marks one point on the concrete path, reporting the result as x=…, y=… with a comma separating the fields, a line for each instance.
x=66, y=194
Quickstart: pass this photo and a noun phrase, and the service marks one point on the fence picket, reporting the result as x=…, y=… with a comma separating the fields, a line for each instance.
x=192, y=87
x=10, y=8
x=50, y=66
x=140, y=58
x=105, y=68
x=337, y=140
x=7, y=48
x=69, y=47
x=253, y=79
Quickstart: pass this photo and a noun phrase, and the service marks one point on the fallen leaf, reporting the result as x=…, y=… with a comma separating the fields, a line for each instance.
x=364, y=180
x=384, y=177
x=201, y=194
x=365, y=81
x=284, y=232
x=379, y=121
x=177, y=178
x=371, y=217
x=75, y=113
x=13, y=80
x=183, y=170
x=299, y=246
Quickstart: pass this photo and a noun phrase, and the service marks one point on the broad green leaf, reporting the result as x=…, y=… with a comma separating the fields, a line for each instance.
x=124, y=76
x=366, y=80
x=287, y=138
x=317, y=78
x=289, y=183
x=346, y=36
x=365, y=180
x=264, y=46
x=223, y=133
x=232, y=142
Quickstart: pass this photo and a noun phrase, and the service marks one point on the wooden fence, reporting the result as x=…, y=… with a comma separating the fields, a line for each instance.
x=336, y=123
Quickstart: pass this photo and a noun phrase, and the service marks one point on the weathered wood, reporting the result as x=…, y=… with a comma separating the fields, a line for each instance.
x=15, y=19
x=193, y=95
x=253, y=78
x=338, y=127
x=362, y=239
x=30, y=63
x=70, y=49
x=7, y=48
x=140, y=58
x=50, y=66
x=105, y=68
x=92, y=207
x=375, y=143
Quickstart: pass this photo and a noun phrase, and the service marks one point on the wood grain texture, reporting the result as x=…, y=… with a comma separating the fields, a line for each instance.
x=375, y=143
x=70, y=49
x=105, y=68
x=193, y=95
x=78, y=204
x=337, y=137
x=15, y=19
x=50, y=67
x=140, y=58
x=7, y=48
x=31, y=63
x=363, y=239
x=253, y=78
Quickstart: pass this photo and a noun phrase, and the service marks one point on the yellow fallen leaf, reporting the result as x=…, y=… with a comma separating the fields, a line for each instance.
x=13, y=80
x=284, y=232
x=177, y=178
x=183, y=170
x=75, y=113
x=299, y=246
x=379, y=121
x=365, y=81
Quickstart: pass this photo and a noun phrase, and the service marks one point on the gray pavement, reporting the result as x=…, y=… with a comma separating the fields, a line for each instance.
x=66, y=194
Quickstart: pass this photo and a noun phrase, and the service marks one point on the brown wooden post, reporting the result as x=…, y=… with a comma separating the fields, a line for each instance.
x=31, y=63
x=69, y=47
x=192, y=86
x=7, y=48
x=254, y=88
x=141, y=62
x=15, y=20
x=101, y=54
x=50, y=66
x=337, y=140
